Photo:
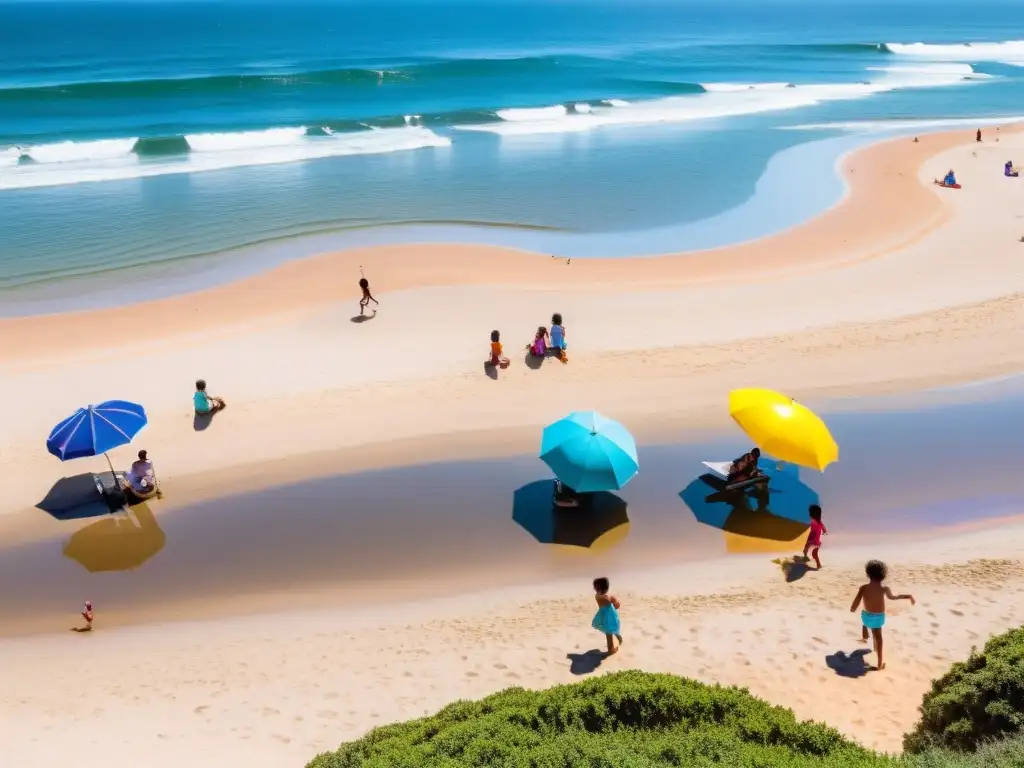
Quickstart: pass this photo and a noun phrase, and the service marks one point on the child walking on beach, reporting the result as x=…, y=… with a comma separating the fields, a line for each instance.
x=814, y=536
x=873, y=596
x=367, y=296
x=606, y=619
x=87, y=615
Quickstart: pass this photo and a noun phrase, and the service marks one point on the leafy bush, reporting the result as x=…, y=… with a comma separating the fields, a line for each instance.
x=624, y=720
x=1008, y=753
x=977, y=701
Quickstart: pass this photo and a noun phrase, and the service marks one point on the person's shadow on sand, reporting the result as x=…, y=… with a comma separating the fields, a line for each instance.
x=490, y=370
x=849, y=665
x=532, y=361
x=363, y=318
x=793, y=568
x=200, y=421
x=585, y=663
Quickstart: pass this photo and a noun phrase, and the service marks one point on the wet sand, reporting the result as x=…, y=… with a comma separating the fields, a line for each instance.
x=445, y=528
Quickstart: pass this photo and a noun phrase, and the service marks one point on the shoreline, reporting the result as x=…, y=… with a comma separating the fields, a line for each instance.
x=402, y=268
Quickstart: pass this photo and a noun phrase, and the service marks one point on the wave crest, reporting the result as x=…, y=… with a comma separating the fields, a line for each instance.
x=74, y=162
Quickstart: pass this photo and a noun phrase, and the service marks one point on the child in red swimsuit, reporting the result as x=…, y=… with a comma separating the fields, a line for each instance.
x=87, y=614
x=814, y=537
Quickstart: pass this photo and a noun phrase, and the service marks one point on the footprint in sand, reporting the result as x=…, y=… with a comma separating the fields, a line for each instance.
x=956, y=612
x=201, y=709
x=327, y=714
x=501, y=666
x=270, y=711
x=472, y=674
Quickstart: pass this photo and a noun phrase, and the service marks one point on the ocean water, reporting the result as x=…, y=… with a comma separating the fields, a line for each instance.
x=189, y=136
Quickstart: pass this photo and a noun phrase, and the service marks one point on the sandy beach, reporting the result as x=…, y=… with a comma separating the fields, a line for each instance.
x=901, y=287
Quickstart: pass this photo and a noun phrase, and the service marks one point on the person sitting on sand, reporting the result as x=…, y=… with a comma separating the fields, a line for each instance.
x=558, y=337
x=204, y=403
x=873, y=596
x=497, y=359
x=539, y=346
x=565, y=496
x=1009, y=170
x=949, y=180
x=141, y=478
x=745, y=467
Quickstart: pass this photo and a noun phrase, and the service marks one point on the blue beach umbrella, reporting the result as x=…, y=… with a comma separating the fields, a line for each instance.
x=589, y=452
x=96, y=429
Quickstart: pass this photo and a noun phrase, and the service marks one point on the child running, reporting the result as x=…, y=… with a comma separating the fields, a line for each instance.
x=87, y=615
x=558, y=337
x=607, y=617
x=367, y=296
x=873, y=596
x=814, y=536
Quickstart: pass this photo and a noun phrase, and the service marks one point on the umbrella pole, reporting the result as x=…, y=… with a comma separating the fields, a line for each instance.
x=113, y=474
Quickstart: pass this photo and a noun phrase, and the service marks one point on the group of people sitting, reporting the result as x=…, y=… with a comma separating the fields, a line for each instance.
x=1009, y=170
x=544, y=341
x=552, y=340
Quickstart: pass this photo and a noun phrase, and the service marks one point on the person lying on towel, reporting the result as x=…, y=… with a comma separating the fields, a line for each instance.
x=745, y=467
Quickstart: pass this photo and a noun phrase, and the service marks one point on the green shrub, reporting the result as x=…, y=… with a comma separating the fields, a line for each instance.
x=1008, y=753
x=624, y=720
x=977, y=701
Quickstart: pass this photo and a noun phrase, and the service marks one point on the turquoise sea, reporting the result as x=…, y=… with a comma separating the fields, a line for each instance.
x=200, y=139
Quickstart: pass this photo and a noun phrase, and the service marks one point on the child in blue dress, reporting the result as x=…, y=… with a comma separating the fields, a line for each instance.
x=606, y=619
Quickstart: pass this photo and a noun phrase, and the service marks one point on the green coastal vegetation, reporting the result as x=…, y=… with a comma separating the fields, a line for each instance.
x=973, y=717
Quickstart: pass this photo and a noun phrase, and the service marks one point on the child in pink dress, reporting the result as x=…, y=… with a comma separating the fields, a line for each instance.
x=814, y=537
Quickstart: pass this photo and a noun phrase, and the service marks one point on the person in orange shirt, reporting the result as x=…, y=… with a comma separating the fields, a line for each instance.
x=497, y=359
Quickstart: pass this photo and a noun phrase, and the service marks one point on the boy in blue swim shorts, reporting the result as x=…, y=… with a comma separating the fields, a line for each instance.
x=873, y=595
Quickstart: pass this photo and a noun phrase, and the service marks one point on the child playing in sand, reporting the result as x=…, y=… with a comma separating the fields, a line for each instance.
x=558, y=337
x=496, y=357
x=204, y=403
x=367, y=296
x=607, y=617
x=814, y=536
x=539, y=346
x=873, y=595
x=87, y=615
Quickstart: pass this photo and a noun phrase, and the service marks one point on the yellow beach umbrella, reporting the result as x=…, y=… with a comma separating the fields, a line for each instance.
x=784, y=428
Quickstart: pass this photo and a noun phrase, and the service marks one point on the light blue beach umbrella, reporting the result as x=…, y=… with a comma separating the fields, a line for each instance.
x=589, y=452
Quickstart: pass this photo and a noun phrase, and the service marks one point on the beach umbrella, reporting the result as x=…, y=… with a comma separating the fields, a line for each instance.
x=599, y=522
x=96, y=429
x=784, y=428
x=589, y=452
x=117, y=543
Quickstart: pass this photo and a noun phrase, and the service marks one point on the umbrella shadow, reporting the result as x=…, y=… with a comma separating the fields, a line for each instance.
x=122, y=542
x=76, y=498
x=775, y=511
x=598, y=515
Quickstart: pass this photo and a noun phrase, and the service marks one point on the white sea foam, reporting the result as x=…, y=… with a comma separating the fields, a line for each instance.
x=532, y=114
x=875, y=126
x=110, y=160
x=736, y=87
x=616, y=102
x=723, y=100
x=582, y=108
x=1007, y=52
